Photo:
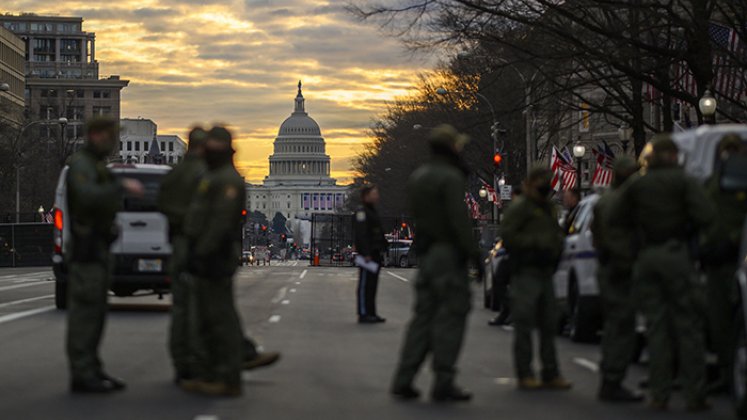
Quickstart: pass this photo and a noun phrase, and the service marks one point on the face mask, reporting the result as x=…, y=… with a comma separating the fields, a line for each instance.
x=217, y=158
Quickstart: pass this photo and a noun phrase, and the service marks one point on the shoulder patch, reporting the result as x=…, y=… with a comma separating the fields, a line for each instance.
x=204, y=185
x=360, y=216
x=231, y=192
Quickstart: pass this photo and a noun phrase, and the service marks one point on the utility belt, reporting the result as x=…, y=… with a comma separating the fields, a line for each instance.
x=89, y=245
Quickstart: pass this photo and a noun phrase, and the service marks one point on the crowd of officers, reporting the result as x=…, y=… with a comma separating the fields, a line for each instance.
x=644, y=229
x=203, y=198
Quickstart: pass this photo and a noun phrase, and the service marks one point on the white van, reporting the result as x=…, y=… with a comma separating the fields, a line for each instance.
x=142, y=250
x=575, y=280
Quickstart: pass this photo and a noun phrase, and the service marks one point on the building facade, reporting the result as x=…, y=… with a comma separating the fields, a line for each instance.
x=12, y=71
x=62, y=74
x=299, y=183
x=140, y=143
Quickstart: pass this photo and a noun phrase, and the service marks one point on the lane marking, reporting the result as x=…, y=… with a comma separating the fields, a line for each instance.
x=398, y=277
x=280, y=295
x=207, y=417
x=19, y=286
x=295, y=263
x=298, y=282
x=24, y=314
x=274, y=319
x=586, y=364
x=286, y=302
x=17, y=302
x=304, y=274
x=504, y=381
x=293, y=290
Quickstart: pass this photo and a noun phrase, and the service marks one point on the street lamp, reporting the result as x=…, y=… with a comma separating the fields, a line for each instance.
x=483, y=192
x=4, y=87
x=41, y=213
x=626, y=134
x=579, y=151
x=708, y=106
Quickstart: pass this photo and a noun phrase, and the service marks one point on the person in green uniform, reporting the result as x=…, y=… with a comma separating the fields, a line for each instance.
x=720, y=255
x=615, y=249
x=178, y=188
x=534, y=240
x=212, y=226
x=94, y=196
x=445, y=248
x=667, y=208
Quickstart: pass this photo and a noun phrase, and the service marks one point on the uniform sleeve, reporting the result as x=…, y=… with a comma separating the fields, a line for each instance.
x=458, y=218
x=89, y=196
x=221, y=226
x=700, y=207
x=621, y=209
x=512, y=224
x=362, y=241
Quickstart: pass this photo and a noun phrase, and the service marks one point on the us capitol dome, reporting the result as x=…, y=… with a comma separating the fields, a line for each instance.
x=299, y=182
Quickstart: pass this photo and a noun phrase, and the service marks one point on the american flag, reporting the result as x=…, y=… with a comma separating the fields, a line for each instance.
x=49, y=217
x=729, y=73
x=563, y=169
x=605, y=159
x=472, y=206
x=492, y=195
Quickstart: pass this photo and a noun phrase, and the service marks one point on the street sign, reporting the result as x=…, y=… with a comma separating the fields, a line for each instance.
x=506, y=192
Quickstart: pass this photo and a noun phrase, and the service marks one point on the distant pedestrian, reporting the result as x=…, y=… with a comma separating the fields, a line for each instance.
x=720, y=256
x=667, y=208
x=94, y=197
x=571, y=200
x=371, y=244
x=534, y=242
x=502, y=278
x=615, y=249
x=446, y=247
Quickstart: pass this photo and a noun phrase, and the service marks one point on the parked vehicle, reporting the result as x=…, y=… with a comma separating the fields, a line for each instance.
x=575, y=280
x=142, y=250
x=397, y=254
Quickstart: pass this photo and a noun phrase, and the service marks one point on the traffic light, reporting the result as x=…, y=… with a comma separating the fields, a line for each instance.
x=497, y=160
x=244, y=213
x=404, y=225
x=283, y=238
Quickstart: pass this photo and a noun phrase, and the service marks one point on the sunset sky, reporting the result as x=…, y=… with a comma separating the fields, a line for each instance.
x=238, y=62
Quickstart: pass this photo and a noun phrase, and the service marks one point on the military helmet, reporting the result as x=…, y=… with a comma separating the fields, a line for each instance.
x=538, y=173
x=220, y=134
x=624, y=167
x=663, y=143
x=197, y=137
x=447, y=135
x=102, y=124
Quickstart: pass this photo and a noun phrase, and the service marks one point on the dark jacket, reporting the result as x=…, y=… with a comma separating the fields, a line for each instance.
x=369, y=234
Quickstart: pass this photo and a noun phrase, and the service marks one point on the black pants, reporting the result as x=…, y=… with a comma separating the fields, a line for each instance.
x=368, y=283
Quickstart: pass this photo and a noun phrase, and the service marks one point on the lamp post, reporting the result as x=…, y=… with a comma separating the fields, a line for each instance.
x=708, y=106
x=17, y=156
x=4, y=87
x=41, y=213
x=579, y=151
x=626, y=134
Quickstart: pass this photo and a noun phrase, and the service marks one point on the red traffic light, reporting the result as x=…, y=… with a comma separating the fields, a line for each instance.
x=497, y=159
x=264, y=228
x=404, y=225
x=243, y=212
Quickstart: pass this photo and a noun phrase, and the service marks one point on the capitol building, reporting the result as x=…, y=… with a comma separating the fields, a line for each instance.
x=299, y=183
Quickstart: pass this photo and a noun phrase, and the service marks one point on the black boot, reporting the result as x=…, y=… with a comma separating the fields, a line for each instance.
x=406, y=393
x=615, y=392
x=117, y=383
x=451, y=394
x=92, y=386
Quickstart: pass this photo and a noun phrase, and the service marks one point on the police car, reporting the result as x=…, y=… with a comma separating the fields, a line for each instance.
x=142, y=250
x=575, y=280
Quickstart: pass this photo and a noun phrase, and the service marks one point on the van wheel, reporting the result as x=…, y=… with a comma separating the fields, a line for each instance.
x=739, y=371
x=403, y=262
x=60, y=295
x=582, y=326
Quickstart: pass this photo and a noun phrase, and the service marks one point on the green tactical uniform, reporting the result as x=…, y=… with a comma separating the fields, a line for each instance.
x=665, y=207
x=534, y=240
x=212, y=226
x=615, y=246
x=177, y=190
x=721, y=255
x=442, y=289
x=94, y=197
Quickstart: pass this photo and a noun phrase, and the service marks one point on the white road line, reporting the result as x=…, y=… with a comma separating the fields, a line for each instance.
x=298, y=282
x=398, y=277
x=17, y=302
x=587, y=364
x=274, y=319
x=293, y=290
x=286, y=302
x=24, y=314
x=280, y=295
x=206, y=417
x=19, y=286
x=295, y=263
x=303, y=274
x=504, y=381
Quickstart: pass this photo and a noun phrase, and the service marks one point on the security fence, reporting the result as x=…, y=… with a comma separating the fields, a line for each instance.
x=25, y=245
x=333, y=240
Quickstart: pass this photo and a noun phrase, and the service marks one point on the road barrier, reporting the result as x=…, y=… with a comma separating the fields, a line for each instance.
x=26, y=245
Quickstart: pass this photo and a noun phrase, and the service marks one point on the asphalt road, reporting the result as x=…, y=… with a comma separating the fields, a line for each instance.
x=332, y=368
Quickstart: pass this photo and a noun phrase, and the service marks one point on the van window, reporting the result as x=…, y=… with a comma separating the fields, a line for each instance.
x=149, y=201
x=583, y=217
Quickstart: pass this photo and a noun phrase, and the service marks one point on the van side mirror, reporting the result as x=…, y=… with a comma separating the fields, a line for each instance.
x=733, y=176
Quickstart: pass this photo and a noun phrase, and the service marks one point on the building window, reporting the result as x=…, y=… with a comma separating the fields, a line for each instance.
x=171, y=146
x=145, y=146
x=102, y=110
x=129, y=146
x=97, y=94
x=137, y=146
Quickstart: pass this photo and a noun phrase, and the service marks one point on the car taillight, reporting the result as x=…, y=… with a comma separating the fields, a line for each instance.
x=58, y=225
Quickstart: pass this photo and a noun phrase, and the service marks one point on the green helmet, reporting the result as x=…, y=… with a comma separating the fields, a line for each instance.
x=220, y=134
x=197, y=137
x=624, y=167
x=447, y=135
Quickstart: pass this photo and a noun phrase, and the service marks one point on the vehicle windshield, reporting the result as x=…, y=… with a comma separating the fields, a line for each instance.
x=582, y=217
x=149, y=201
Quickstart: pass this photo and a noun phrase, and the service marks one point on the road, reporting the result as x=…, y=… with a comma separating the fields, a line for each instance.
x=331, y=367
